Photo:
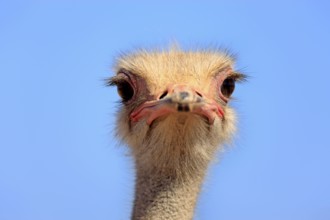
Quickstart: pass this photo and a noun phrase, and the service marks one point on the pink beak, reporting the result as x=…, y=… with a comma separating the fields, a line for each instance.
x=178, y=98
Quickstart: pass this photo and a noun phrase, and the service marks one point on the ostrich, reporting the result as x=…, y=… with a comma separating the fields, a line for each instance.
x=174, y=115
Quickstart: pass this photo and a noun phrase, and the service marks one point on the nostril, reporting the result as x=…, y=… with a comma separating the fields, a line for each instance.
x=200, y=95
x=163, y=95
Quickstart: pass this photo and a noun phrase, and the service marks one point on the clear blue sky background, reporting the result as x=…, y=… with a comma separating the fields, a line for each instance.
x=58, y=156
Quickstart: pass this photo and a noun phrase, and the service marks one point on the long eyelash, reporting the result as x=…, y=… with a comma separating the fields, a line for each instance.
x=239, y=77
x=114, y=81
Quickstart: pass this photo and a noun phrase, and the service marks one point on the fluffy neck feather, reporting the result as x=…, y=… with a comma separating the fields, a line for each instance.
x=171, y=165
x=165, y=192
x=171, y=159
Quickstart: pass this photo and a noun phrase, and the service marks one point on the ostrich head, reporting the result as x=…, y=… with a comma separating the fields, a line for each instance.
x=175, y=111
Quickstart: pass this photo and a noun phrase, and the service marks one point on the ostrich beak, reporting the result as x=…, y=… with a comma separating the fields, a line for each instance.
x=178, y=98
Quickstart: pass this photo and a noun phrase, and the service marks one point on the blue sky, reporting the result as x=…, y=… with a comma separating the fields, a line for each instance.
x=58, y=155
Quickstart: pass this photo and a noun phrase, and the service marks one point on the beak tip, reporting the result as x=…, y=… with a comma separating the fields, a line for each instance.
x=183, y=108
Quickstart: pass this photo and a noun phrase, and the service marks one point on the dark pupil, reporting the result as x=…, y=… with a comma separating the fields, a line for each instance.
x=125, y=91
x=228, y=87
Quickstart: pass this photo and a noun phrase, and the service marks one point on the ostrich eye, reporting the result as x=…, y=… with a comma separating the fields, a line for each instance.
x=228, y=87
x=125, y=90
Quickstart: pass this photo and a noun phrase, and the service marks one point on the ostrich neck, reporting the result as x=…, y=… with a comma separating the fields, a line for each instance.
x=165, y=197
x=163, y=192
